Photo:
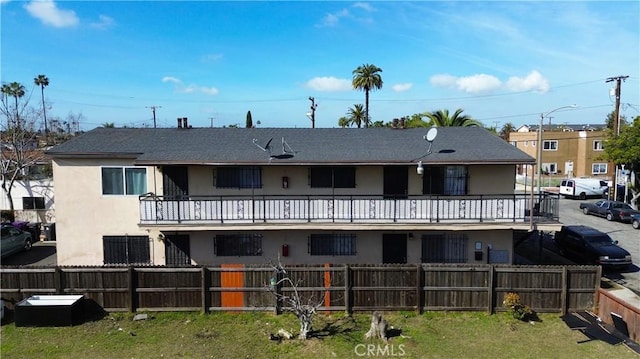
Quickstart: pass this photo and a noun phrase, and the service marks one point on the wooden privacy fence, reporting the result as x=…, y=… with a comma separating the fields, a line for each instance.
x=419, y=287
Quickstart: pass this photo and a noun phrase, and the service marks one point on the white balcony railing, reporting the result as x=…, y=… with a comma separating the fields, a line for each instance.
x=345, y=209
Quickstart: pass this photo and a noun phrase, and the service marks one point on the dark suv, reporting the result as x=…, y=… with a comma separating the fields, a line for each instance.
x=586, y=245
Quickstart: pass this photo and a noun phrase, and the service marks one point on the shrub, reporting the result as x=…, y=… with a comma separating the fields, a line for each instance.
x=519, y=310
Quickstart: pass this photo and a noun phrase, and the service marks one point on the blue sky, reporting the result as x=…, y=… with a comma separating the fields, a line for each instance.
x=212, y=61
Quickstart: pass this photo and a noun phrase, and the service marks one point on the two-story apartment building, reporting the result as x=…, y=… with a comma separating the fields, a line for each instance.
x=209, y=196
x=567, y=150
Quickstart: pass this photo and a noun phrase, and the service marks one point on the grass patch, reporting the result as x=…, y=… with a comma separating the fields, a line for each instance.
x=246, y=335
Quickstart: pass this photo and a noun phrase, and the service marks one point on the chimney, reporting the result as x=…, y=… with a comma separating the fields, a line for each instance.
x=179, y=122
x=395, y=123
x=184, y=122
x=402, y=122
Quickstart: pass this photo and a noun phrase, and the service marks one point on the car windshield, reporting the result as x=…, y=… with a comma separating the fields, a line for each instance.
x=599, y=240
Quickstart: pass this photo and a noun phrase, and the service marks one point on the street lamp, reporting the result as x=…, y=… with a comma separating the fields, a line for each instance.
x=542, y=115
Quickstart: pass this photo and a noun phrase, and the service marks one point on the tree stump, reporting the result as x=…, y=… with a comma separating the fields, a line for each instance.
x=378, y=327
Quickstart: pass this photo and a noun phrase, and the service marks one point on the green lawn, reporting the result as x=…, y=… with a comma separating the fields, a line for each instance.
x=246, y=335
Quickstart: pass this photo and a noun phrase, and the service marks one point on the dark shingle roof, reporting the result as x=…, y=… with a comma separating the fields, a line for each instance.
x=319, y=145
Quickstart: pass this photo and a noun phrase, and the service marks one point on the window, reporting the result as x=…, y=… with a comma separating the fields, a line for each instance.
x=514, y=143
x=124, y=180
x=330, y=244
x=126, y=249
x=548, y=168
x=599, y=168
x=550, y=145
x=444, y=248
x=526, y=143
x=597, y=145
x=238, y=245
x=33, y=203
x=239, y=177
x=332, y=177
x=445, y=180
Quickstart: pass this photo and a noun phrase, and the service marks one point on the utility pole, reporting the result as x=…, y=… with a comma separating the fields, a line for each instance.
x=616, y=127
x=313, y=112
x=153, y=109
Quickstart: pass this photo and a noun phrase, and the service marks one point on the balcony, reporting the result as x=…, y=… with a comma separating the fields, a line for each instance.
x=205, y=210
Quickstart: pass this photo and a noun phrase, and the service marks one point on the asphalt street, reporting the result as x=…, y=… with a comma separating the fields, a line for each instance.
x=627, y=237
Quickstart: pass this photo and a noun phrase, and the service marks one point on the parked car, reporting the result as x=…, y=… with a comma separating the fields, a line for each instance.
x=635, y=221
x=611, y=210
x=587, y=245
x=13, y=240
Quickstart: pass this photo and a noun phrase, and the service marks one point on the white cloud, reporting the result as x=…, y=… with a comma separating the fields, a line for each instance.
x=332, y=19
x=48, y=12
x=534, y=81
x=478, y=83
x=104, y=22
x=402, y=87
x=364, y=6
x=483, y=83
x=329, y=84
x=179, y=87
x=171, y=79
x=443, y=80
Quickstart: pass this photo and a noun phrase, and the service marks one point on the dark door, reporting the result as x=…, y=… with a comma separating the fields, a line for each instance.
x=176, y=250
x=175, y=182
x=396, y=182
x=394, y=248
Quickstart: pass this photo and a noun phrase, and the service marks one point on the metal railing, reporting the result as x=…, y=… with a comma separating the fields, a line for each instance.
x=346, y=209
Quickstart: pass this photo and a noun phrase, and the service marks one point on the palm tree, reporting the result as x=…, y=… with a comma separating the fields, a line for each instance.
x=42, y=81
x=506, y=130
x=366, y=78
x=15, y=90
x=356, y=115
x=343, y=122
x=441, y=118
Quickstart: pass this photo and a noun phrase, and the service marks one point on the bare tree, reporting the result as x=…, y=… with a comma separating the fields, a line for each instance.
x=292, y=301
x=19, y=150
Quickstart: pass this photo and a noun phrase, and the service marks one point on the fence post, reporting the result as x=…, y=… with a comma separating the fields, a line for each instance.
x=564, y=290
x=490, y=289
x=132, y=289
x=596, y=293
x=419, y=286
x=57, y=278
x=204, y=283
x=347, y=289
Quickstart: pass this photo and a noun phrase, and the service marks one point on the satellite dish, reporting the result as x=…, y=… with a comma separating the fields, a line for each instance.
x=431, y=135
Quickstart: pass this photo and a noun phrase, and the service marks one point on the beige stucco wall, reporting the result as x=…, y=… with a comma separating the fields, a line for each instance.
x=84, y=215
x=483, y=179
x=368, y=247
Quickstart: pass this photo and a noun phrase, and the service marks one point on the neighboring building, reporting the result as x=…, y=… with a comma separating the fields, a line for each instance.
x=210, y=196
x=32, y=201
x=567, y=150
